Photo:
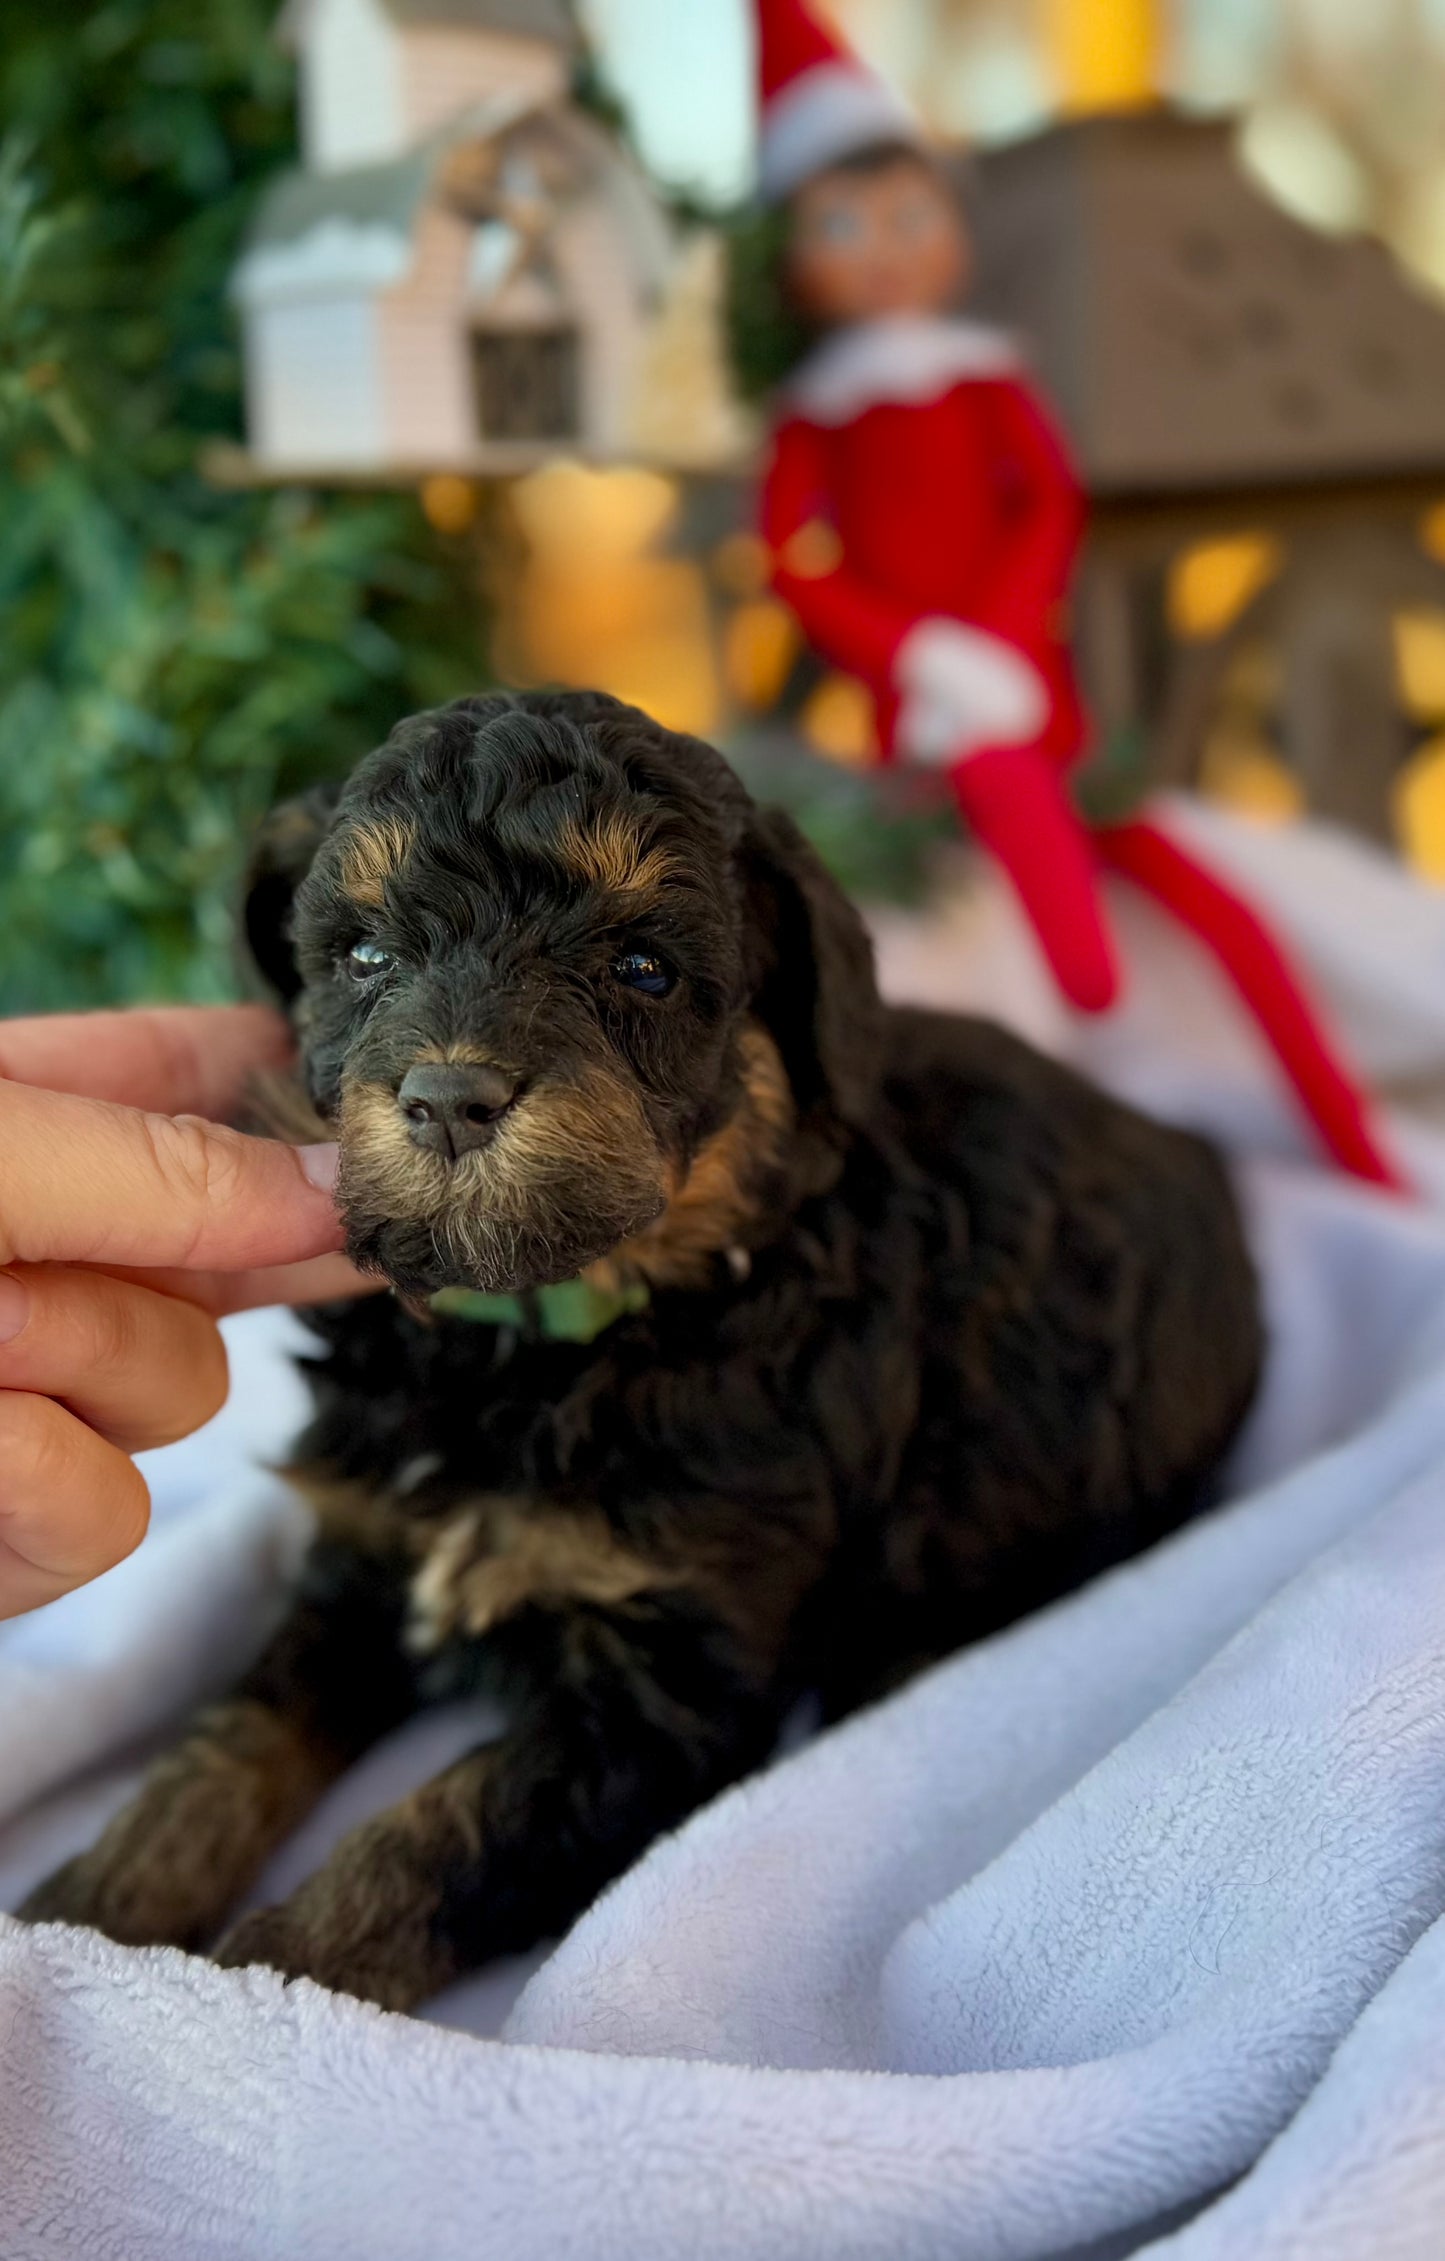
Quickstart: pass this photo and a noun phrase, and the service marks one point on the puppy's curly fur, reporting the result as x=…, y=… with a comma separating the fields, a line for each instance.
x=935, y=1331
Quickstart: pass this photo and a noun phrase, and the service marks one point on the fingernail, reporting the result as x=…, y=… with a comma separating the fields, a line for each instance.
x=319, y=1163
x=14, y=1306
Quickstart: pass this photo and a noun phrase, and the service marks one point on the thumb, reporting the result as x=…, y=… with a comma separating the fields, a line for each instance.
x=88, y=1182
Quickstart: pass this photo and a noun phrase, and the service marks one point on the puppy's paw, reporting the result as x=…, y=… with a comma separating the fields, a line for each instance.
x=379, y=1963
x=130, y=1903
x=67, y=1895
x=271, y=1937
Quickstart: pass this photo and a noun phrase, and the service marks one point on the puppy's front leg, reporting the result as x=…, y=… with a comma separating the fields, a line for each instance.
x=512, y=1842
x=172, y=1864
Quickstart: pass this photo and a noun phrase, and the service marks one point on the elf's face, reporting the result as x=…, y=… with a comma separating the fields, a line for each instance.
x=870, y=242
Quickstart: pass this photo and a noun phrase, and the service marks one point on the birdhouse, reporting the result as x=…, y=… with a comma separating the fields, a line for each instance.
x=1259, y=414
x=463, y=273
x=1192, y=334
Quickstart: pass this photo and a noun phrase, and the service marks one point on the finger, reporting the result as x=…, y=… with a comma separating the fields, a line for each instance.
x=179, y=1059
x=138, y=1367
x=84, y=1182
x=71, y=1505
x=324, y=1279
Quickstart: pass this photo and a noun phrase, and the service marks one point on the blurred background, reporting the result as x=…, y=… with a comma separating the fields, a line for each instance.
x=363, y=353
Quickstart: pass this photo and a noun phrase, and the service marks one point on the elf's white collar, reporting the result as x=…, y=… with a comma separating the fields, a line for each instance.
x=905, y=357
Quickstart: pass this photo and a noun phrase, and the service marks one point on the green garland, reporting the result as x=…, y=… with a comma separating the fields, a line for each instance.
x=173, y=657
x=767, y=336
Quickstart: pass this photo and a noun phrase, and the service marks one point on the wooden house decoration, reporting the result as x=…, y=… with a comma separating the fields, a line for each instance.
x=463, y=273
x=1228, y=377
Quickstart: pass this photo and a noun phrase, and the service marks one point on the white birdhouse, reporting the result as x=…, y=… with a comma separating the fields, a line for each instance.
x=463, y=274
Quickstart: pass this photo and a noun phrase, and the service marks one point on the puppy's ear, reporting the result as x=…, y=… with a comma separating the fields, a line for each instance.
x=814, y=983
x=280, y=860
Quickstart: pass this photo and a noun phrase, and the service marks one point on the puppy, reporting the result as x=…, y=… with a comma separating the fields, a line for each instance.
x=749, y=1340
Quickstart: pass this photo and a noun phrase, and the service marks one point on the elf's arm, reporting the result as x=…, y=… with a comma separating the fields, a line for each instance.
x=1030, y=574
x=958, y=685
x=851, y=623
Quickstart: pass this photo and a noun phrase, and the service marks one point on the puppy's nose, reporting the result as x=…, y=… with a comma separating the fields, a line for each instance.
x=453, y=1106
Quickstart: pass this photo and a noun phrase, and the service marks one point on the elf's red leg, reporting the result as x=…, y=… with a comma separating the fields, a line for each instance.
x=1267, y=983
x=1013, y=798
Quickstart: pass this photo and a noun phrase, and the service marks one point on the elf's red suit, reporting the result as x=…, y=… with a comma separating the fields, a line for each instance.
x=923, y=520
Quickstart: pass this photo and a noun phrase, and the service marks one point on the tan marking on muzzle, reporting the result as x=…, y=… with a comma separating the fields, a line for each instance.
x=377, y=1153
x=552, y=1145
x=715, y=1202
x=594, y=1126
x=370, y=856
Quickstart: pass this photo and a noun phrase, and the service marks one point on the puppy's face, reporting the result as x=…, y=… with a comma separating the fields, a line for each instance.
x=528, y=959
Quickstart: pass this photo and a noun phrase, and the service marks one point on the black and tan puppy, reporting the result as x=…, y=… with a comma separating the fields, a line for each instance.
x=875, y=1330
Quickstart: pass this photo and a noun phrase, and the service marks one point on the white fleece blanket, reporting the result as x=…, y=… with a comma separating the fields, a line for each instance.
x=1123, y=1932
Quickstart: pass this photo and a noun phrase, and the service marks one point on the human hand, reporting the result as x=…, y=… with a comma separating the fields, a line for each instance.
x=128, y=1224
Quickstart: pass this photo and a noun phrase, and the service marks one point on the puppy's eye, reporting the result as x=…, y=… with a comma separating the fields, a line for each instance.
x=644, y=970
x=365, y=960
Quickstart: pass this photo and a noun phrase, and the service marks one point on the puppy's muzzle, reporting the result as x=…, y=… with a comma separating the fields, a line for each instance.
x=452, y=1108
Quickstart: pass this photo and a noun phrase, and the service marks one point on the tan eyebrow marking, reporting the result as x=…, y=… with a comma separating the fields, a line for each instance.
x=370, y=856
x=613, y=857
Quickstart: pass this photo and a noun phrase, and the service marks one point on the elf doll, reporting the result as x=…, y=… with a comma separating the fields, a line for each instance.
x=923, y=518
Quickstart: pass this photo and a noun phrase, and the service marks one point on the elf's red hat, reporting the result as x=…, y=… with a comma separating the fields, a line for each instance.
x=818, y=102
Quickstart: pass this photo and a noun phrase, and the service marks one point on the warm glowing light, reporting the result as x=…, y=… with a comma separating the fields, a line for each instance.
x=1106, y=54
x=450, y=503
x=1432, y=532
x=813, y=551
x=672, y=678
x=838, y=721
x=1419, y=808
x=593, y=513
x=1420, y=659
x=759, y=645
x=593, y=606
x=740, y=564
x=1210, y=585
x=1243, y=770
